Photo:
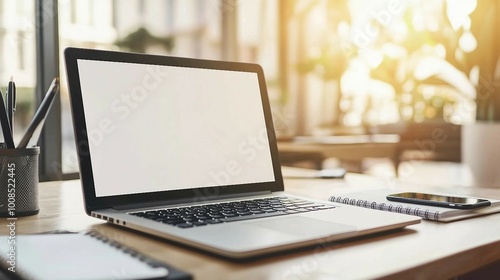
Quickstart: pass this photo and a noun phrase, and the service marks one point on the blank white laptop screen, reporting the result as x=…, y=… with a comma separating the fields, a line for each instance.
x=156, y=128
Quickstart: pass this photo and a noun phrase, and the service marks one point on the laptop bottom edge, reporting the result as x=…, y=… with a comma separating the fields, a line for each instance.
x=249, y=239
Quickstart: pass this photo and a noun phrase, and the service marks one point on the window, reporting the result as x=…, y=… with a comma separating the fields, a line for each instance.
x=17, y=57
x=189, y=28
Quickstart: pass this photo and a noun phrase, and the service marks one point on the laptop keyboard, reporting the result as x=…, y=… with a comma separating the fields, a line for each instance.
x=201, y=215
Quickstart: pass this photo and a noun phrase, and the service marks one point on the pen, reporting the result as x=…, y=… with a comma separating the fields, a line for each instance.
x=36, y=124
x=11, y=103
x=7, y=134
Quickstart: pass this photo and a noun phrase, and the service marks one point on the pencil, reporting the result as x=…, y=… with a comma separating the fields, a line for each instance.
x=11, y=103
x=4, y=121
x=40, y=114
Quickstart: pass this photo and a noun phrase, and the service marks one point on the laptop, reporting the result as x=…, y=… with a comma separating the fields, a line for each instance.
x=184, y=149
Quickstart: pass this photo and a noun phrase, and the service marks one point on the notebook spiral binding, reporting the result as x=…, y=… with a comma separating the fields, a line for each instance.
x=396, y=208
x=124, y=249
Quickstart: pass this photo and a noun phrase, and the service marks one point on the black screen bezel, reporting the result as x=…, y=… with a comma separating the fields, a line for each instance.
x=92, y=202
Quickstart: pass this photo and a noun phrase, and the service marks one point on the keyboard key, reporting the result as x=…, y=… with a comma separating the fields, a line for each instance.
x=166, y=219
x=242, y=218
x=217, y=216
x=203, y=217
x=230, y=214
x=138, y=214
x=325, y=207
x=213, y=221
x=304, y=204
x=185, y=225
x=174, y=222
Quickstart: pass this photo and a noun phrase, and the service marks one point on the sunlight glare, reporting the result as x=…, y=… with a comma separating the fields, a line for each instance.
x=458, y=11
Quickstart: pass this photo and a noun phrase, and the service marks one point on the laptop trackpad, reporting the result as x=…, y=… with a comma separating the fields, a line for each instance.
x=302, y=226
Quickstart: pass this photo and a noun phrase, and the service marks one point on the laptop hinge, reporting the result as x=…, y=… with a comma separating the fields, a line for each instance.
x=205, y=199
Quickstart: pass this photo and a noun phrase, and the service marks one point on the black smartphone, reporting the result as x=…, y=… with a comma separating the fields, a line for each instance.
x=456, y=202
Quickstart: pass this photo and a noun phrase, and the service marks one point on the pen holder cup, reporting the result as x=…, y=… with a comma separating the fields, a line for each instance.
x=19, y=182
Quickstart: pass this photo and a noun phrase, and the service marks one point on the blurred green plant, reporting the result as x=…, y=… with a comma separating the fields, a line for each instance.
x=473, y=70
x=141, y=38
x=332, y=60
x=423, y=63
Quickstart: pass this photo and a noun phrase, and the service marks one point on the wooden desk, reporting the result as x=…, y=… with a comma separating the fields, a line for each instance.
x=430, y=250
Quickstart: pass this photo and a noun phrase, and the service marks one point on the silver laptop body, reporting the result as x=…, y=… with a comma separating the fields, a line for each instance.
x=157, y=136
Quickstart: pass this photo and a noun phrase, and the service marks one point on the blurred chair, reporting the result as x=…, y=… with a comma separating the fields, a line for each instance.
x=432, y=141
x=302, y=159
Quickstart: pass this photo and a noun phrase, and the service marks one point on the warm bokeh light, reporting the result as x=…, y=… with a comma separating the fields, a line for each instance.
x=405, y=60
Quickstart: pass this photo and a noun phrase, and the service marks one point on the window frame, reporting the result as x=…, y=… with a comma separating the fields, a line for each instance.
x=47, y=66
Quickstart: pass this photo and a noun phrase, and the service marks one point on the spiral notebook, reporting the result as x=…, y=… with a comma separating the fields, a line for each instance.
x=77, y=256
x=376, y=199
